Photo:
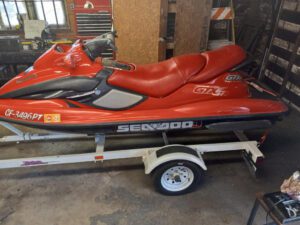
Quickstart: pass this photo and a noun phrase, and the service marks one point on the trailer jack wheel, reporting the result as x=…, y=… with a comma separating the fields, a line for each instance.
x=177, y=177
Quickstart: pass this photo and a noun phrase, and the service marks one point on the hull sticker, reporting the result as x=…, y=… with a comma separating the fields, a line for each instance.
x=233, y=77
x=26, y=78
x=34, y=163
x=209, y=90
x=52, y=118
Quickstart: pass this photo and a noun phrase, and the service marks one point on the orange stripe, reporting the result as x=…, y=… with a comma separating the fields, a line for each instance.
x=218, y=13
x=228, y=16
x=99, y=157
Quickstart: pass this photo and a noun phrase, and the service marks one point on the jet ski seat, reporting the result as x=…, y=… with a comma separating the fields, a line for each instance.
x=219, y=61
x=160, y=79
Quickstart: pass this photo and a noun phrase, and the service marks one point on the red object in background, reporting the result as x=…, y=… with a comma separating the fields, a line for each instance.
x=99, y=5
x=92, y=22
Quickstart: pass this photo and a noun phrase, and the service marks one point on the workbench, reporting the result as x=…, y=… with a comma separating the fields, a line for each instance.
x=280, y=208
x=13, y=59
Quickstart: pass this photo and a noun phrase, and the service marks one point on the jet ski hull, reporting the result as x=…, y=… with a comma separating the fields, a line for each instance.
x=62, y=115
x=68, y=89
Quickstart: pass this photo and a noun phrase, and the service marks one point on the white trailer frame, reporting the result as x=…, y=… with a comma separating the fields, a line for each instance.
x=251, y=152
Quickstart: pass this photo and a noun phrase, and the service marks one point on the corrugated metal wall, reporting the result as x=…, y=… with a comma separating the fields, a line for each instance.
x=281, y=69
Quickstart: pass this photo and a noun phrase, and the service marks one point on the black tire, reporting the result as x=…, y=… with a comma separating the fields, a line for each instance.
x=159, y=171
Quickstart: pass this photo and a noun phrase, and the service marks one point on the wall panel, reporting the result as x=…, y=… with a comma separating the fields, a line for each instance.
x=138, y=27
x=191, y=27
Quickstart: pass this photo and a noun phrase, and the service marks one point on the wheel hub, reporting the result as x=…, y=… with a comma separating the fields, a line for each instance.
x=177, y=178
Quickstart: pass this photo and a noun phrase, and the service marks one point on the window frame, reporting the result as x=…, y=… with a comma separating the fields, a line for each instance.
x=57, y=26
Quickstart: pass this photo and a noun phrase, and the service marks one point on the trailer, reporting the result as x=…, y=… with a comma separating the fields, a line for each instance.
x=176, y=168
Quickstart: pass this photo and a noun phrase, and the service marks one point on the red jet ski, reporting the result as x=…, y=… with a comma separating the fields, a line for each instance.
x=69, y=88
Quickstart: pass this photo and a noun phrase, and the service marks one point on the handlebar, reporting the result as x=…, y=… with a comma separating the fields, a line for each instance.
x=112, y=45
x=95, y=47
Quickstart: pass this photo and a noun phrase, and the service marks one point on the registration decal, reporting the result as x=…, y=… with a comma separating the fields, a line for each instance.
x=52, y=118
x=11, y=113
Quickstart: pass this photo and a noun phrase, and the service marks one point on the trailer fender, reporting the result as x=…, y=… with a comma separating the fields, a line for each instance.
x=169, y=153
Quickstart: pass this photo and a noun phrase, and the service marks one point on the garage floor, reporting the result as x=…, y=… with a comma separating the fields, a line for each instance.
x=110, y=194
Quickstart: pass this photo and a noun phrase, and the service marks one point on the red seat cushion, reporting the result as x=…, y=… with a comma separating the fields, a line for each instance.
x=160, y=79
x=219, y=61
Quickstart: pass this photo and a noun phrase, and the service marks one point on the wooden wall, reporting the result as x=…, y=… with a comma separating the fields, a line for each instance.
x=138, y=27
x=142, y=24
x=192, y=25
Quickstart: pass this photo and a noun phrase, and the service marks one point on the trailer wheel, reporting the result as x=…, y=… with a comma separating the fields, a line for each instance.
x=177, y=177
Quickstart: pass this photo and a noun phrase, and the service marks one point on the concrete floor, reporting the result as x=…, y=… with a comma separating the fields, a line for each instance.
x=111, y=194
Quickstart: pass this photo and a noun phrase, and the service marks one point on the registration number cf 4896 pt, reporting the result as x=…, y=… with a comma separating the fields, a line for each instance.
x=22, y=115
